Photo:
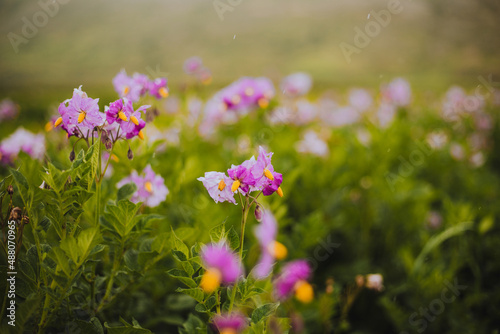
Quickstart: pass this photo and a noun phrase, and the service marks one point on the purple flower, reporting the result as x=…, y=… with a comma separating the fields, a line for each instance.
x=232, y=323
x=221, y=264
x=151, y=189
x=313, y=144
x=263, y=172
x=360, y=99
x=296, y=84
x=8, y=109
x=116, y=112
x=271, y=249
x=292, y=279
x=80, y=112
x=193, y=65
x=22, y=140
x=158, y=88
x=135, y=123
x=241, y=176
x=218, y=186
x=129, y=87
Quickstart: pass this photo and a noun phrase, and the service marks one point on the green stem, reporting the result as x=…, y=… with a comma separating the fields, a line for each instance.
x=109, y=287
x=98, y=180
x=244, y=216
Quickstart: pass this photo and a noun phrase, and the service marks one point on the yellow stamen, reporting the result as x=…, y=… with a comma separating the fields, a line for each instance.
x=148, y=186
x=134, y=120
x=278, y=250
x=268, y=174
x=81, y=116
x=141, y=134
x=114, y=158
x=58, y=122
x=222, y=185
x=49, y=126
x=122, y=116
x=249, y=91
x=304, y=292
x=236, y=99
x=279, y=192
x=163, y=92
x=126, y=90
x=263, y=103
x=235, y=186
x=210, y=280
x=228, y=331
x=206, y=80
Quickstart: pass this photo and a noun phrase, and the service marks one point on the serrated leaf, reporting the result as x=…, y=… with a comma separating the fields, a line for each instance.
x=263, y=312
x=180, y=246
x=196, y=293
x=233, y=239
x=126, y=191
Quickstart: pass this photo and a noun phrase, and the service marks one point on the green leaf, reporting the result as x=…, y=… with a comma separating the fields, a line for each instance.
x=78, y=249
x=180, y=246
x=127, y=328
x=196, y=293
x=233, y=239
x=437, y=240
x=218, y=233
x=80, y=326
x=264, y=311
x=486, y=224
x=126, y=191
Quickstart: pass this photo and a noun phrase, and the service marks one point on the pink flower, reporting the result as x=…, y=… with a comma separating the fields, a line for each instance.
x=218, y=186
x=241, y=176
x=271, y=250
x=8, y=110
x=221, y=264
x=193, y=65
x=22, y=140
x=158, y=88
x=129, y=87
x=397, y=92
x=360, y=99
x=232, y=323
x=313, y=144
x=296, y=84
x=292, y=279
x=151, y=189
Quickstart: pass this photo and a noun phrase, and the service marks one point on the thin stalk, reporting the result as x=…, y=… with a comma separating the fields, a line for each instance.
x=98, y=185
x=109, y=287
x=244, y=216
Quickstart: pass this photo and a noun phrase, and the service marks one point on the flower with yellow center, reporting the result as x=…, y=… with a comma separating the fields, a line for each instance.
x=228, y=331
x=263, y=103
x=304, y=292
x=148, y=186
x=122, y=116
x=163, y=92
x=236, y=184
x=211, y=280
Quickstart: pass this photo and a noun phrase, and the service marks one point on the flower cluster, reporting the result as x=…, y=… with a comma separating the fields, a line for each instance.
x=22, y=140
x=138, y=85
x=236, y=100
x=194, y=66
x=252, y=175
x=80, y=116
x=151, y=189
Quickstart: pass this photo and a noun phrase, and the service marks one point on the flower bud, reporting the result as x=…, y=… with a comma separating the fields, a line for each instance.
x=10, y=189
x=72, y=156
x=258, y=213
x=16, y=213
x=130, y=154
x=108, y=143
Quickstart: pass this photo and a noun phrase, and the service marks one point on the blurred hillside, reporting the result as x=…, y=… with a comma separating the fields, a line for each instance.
x=88, y=42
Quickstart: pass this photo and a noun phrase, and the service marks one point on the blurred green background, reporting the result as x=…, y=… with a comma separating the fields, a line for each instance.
x=432, y=44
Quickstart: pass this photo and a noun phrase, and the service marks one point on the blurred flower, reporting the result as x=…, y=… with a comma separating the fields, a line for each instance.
x=360, y=99
x=232, y=323
x=218, y=186
x=397, y=92
x=80, y=113
x=158, y=88
x=306, y=112
x=483, y=122
x=434, y=219
x=8, y=110
x=193, y=65
x=312, y=143
x=437, y=139
x=271, y=249
x=477, y=159
x=375, y=282
x=385, y=114
x=342, y=116
x=292, y=280
x=151, y=189
x=221, y=264
x=105, y=157
x=457, y=151
x=127, y=87
x=22, y=140
x=296, y=84
x=363, y=136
